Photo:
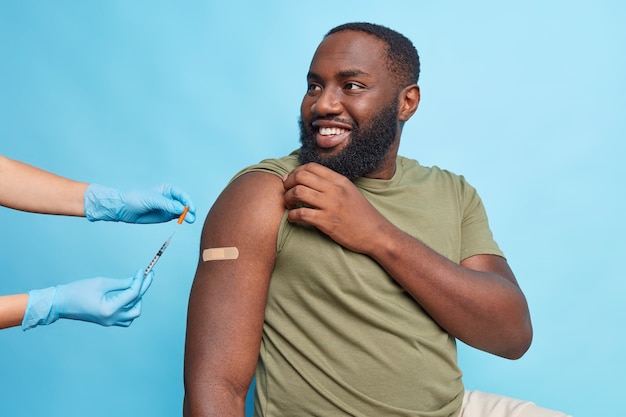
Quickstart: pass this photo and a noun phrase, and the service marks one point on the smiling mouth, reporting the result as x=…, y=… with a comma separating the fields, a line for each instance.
x=331, y=131
x=330, y=137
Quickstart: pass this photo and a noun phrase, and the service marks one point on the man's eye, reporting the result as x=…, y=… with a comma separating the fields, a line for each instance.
x=313, y=87
x=353, y=86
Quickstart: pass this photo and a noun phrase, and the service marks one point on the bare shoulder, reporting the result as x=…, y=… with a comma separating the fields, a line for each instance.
x=247, y=214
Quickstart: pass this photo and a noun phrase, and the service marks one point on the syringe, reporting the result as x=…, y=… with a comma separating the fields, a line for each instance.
x=167, y=242
x=157, y=256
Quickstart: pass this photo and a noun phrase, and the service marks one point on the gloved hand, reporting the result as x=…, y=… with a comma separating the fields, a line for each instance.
x=148, y=206
x=105, y=301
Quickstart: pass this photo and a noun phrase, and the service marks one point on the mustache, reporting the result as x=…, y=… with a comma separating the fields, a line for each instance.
x=337, y=120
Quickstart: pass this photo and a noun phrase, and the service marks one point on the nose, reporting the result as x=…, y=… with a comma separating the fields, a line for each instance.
x=327, y=103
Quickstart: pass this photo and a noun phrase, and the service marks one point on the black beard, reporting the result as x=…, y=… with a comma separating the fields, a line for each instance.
x=366, y=150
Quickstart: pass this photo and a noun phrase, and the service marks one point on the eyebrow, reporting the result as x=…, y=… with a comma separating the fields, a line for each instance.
x=340, y=74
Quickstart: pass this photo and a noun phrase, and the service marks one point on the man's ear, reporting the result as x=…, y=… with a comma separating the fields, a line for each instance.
x=408, y=101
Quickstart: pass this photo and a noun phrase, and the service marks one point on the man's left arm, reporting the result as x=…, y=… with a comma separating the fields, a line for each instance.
x=477, y=301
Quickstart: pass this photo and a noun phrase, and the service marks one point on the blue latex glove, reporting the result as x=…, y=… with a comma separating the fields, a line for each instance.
x=147, y=206
x=105, y=301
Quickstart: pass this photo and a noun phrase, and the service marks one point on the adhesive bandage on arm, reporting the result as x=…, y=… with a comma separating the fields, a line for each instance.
x=219, y=254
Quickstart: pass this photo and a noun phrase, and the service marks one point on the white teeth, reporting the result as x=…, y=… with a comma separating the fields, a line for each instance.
x=329, y=131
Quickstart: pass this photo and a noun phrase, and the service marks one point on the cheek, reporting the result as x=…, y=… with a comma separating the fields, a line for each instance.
x=305, y=106
x=361, y=113
x=366, y=110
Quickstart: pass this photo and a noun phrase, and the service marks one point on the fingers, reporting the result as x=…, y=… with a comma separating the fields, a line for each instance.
x=190, y=217
x=130, y=315
x=181, y=197
x=128, y=301
x=312, y=175
x=313, y=186
x=147, y=281
x=140, y=283
x=124, y=298
x=307, y=184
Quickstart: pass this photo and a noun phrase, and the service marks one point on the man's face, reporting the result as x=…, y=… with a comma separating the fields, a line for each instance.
x=349, y=116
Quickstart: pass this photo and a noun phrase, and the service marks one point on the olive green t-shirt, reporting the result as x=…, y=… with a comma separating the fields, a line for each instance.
x=341, y=337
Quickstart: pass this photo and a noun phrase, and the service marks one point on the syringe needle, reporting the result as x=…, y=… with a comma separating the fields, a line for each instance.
x=167, y=242
x=157, y=256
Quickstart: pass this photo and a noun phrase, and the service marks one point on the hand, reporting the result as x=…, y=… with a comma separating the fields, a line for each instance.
x=149, y=206
x=105, y=301
x=320, y=197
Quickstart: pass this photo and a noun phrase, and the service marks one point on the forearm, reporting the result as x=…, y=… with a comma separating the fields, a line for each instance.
x=478, y=302
x=27, y=188
x=12, y=309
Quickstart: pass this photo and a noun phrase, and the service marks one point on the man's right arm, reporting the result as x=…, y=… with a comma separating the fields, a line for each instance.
x=227, y=300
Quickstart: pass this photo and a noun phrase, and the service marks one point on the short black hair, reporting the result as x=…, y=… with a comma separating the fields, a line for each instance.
x=402, y=57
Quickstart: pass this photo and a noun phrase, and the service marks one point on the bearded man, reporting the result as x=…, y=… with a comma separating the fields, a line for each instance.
x=352, y=271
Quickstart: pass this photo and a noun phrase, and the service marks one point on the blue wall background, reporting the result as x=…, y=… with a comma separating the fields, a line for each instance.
x=526, y=99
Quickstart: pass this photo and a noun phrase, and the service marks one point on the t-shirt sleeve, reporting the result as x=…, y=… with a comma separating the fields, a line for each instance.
x=279, y=167
x=476, y=235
